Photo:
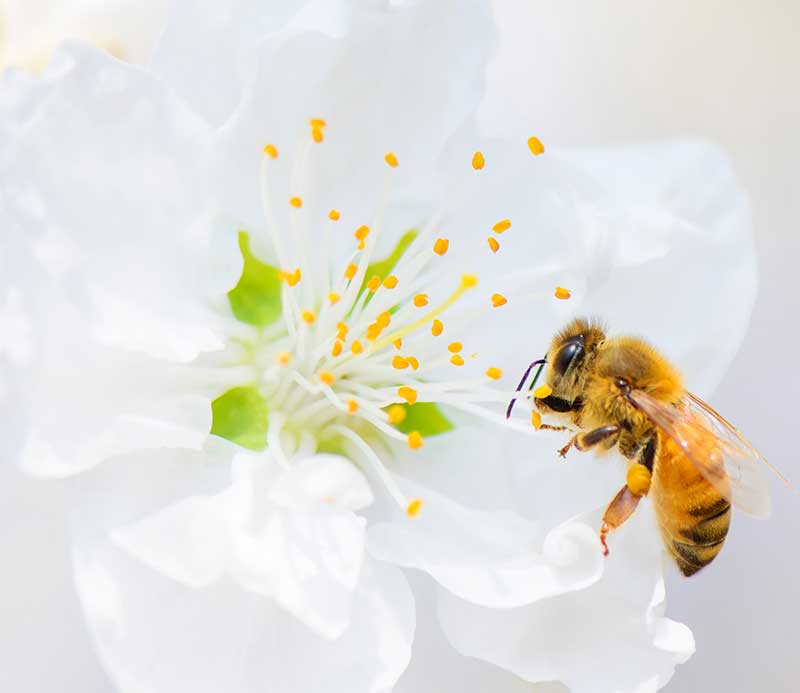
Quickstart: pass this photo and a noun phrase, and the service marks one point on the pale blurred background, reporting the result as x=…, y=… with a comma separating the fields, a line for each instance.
x=582, y=72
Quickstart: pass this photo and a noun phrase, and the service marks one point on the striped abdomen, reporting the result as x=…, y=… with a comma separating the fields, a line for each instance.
x=692, y=515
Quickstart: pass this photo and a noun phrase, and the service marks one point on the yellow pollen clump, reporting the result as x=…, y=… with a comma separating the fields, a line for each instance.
x=493, y=244
x=412, y=361
x=284, y=358
x=638, y=479
x=337, y=348
x=384, y=319
x=296, y=202
x=457, y=360
x=374, y=283
x=441, y=246
x=478, y=161
x=536, y=419
x=498, y=300
x=397, y=343
x=333, y=298
x=414, y=440
x=399, y=363
x=455, y=347
x=341, y=331
x=390, y=282
x=543, y=391
x=356, y=347
x=316, y=135
x=409, y=394
x=352, y=406
x=502, y=226
x=327, y=377
x=562, y=293
x=361, y=232
x=469, y=281
x=494, y=373
x=436, y=328
x=535, y=145
x=334, y=215
x=396, y=413
x=308, y=316
x=391, y=159
x=271, y=151
x=421, y=300
x=414, y=507
x=351, y=270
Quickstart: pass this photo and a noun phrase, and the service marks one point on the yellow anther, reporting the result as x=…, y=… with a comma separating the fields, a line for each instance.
x=374, y=283
x=384, y=319
x=536, y=419
x=291, y=278
x=271, y=151
x=390, y=282
x=457, y=360
x=441, y=246
x=337, y=348
x=412, y=361
x=373, y=331
x=317, y=123
x=327, y=377
x=317, y=135
x=333, y=298
x=397, y=343
x=469, y=281
x=638, y=479
x=399, y=363
x=341, y=331
x=334, y=215
x=362, y=245
x=351, y=270
x=414, y=507
x=421, y=300
x=535, y=145
x=283, y=276
x=562, y=293
x=478, y=161
x=494, y=373
x=493, y=244
x=436, y=328
x=501, y=226
x=414, y=442
x=296, y=202
x=308, y=316
x=409, y=394
x=543, y=391
x=352, y=406
x=356, y=347
x=396, y=413
x=455, y=347
x=284, y=358
x=498, y=300
x=361, y=232
x=390, y=159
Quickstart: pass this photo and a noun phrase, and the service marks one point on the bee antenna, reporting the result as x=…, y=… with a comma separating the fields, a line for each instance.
x=538, y=362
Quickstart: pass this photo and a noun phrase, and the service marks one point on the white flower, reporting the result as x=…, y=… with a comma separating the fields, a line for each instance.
x=179, y=270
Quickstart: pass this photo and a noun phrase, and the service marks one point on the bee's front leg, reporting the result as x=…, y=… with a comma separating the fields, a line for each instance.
x=589, y=439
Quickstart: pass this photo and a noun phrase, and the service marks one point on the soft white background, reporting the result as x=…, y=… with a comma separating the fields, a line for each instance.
x=582, y=72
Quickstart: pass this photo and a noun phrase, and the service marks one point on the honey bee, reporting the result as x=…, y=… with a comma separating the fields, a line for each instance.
x=692, y=463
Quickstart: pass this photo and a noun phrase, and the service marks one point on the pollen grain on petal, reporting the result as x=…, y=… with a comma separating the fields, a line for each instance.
x=562, y=293
x=333, y=298
x=441, y=246
x=271, y=151
x=502, y=225
x=334, y=215
x=296, y=202
x=399, y=362
x=455, y=347
x=336, y=349
x=535, y=145
x=396, y=413
x=409, y=394
x=391, y=159
x=357, y=347
x=327, y=377
x=374, y=283
x=351, y=270
x=478, y=162
x=493, y=244
x=436, y=328
x=543, y=391
x=284, y=358
x=352, y=406
x=309, y=317
x=536, y=419
x=494, y=373
x=414, y=507
x=415, y=441
x=498, y=300
x=457, y=360
x=390, y=282
x=421, y=300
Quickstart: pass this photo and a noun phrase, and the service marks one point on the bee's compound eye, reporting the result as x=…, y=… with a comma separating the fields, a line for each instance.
x=570, y=351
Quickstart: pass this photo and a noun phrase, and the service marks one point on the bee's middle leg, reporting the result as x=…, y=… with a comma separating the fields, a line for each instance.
x=589, y=439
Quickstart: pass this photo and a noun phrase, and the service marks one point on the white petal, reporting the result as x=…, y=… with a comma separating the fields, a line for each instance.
x=496, y=559
x=608, y=637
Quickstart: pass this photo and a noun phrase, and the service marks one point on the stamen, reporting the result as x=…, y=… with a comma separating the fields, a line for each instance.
x=535, y=145
x=284, y=358
x=334, y=215
x=383, y=319
x=409, y=394
x=296, y=202
x=397, y=343
x=351, y=270
x=478, y=161
x=543, y=391
x=412, y=362
x=493, y=244
x=333, y=298
x=271, y=151
x=396, y=413
x=436, y=328
x=316, y=135
x=421, y=300
x=308, y=317
x=498, y=300
x=327, y=377
x=374, y=331
x=337, y=348
x=502, y=226
x=415, y=441
x=457, y=360
x=414, y=507
x=390, y=282
x=361, y=232
x=374, y=283
x=356, y=347
x=441, y=246
x=399, y=363
x=341, y=331
x=352, y=406
x=494, y=373
x=536, y=419
x=391, y=159
x=455, y=347
x=562, y=293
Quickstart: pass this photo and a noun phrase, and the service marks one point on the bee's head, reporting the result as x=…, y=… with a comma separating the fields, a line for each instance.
x=569, y=360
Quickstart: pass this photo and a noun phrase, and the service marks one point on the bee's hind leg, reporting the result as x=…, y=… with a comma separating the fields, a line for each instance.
x=625, y=502
x=608, y=435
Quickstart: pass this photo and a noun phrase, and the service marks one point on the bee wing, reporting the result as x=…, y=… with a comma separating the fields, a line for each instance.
x=721, y=454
